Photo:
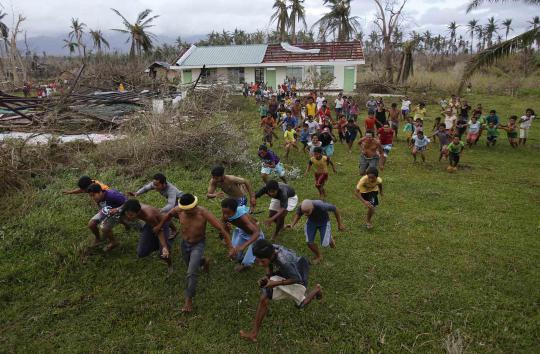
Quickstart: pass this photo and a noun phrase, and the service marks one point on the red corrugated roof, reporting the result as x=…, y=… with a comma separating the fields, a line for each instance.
x=328, y=51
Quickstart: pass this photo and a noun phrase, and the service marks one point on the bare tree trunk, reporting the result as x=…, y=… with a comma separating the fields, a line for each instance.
x=15, y=56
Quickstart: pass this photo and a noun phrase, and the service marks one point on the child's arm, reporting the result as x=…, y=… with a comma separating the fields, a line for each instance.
x=73, y=191
x=308, y=168
x=380, y=189
x=329, y=162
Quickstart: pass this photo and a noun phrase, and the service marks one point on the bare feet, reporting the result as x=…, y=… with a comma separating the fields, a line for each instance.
x=110, y=246
x=369, y=226
x=206, y=265
x=316, y=260
x=97, y=242
x=248, y=336
x=319, y=295
x=240, y=268
x=332, y=243
x=188, y=305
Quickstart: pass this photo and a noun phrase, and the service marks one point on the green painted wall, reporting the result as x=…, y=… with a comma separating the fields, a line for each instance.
x=348, y=79
x=271, y=78
x=186, y=77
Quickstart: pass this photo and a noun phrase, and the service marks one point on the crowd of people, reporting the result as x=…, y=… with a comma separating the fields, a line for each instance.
x=314, y=123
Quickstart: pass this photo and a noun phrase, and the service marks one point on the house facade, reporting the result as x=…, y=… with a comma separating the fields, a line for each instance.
x=273, y=64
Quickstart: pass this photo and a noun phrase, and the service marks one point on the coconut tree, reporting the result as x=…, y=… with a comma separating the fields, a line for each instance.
x=338, y=19
x=69, y=44
x=141, y=39
x=503, y=49
x=298, y=14
x=490, y=29
x=98, y=40
x=507, y=27
x=281, y=17
x=452, y=28
x=77, y=32
x=471, y=28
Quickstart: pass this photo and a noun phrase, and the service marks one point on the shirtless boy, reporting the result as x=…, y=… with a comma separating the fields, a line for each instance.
x=371, y=152
x=234, y=187
x=193, y=220
x=246, y=232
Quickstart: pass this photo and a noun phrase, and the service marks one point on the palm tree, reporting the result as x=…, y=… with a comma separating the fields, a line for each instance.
x=281, y=17
x=507, y=23
x=77, y=31
x=141, y=39
x=339, y=19
x=68, y=43
x=471, y=27
x=98, y=39
x=298, y=14
x=452, y=28
x=503, y=49
x=490, y=29
x=535, y=22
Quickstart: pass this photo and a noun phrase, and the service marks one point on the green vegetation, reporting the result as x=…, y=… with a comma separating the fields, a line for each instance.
x=451, y=264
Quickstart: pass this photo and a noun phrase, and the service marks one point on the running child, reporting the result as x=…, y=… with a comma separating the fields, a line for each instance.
x=290, y=140
x=268, y=124
x=351, y=131
x=270, y=163
x=408, y=129
x=455, y=149
x=444, y=138
x=320, y=163
x=304, y=137
x=525, y=123
x=474, y=131
x=315, y=143
x=393, y=117
x=492, y=134
x=511, y=131
x=420, y=144
x=367, y=191
x=386, y=138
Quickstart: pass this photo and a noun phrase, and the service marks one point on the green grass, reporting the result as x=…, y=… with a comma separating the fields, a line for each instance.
x=453, y=259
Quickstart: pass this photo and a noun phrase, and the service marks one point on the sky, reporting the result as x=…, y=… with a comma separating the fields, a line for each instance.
x=188, y=17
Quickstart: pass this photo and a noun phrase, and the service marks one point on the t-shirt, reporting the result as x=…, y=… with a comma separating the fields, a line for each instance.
x=304, y=135
x=288, y=265
x=170, y=192
x=319, y=216
x=311, y=109
x=474, y=128
x=409, y=127
x=339, y=103
x=492, y=119
x=526, y=122
x=312, y=127
x=313, y=146
x=365, y=185
x=456, y=148
x=326, y=139
x=381, y=116
x=444, y=137
x=319, y=102
x=321, y=166
x=386, y=137
x=449, y=121
x=113, y=199
x=419, y=143
x=284, y=193
x=289, y=136
x=492, y=131
x=270, y=158
x=405, y=105
x=419, y=113
x=263, y=111
x=371, y=105
x=370, y=123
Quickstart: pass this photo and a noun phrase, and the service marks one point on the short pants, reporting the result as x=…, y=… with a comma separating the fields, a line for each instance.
x=350, y=137
x=371, y=197
x=512, y=135
x=106, y=222
x=268, y=137
x=394, y=125
x=386, y=149
x=278, y=169
x=492, y=138
x=321, y=178
x=328, y=150
x=239, y=237
x=421, y=148
x=405, y=112
x=292, y=202
x=296, y=292
x=453, y=158
x=472, y=136
x=366, y=163
x=310, y=230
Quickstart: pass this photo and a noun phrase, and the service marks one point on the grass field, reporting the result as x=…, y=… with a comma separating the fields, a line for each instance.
x=451, y=265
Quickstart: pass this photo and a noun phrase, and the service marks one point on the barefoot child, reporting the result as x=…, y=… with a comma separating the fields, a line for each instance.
x=304, y=137
x=318, y=219
x=247, y=231
x=455, y=148
x=283, y=200
x=286, y=277
x=444, y=139
x=268, y=124
x=408, y=129
x=270, y=163
x=149, y=241
x=290, y=140
x=420, y=144
x=524, y=125
x=386, y=138
x=367, y=191
x=492, y=134
x=193, y=220
x=474, y=131
x=351, y=131
x=511, y=131
x=321, y=164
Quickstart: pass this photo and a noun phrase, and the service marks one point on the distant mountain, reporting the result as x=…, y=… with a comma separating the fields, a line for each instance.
x=53, y=45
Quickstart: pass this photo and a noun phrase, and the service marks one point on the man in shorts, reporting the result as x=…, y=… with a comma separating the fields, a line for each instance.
x=283, y=200
x=320, y=163
x=318, y=219
x=110, y=202
x=234, y=187
x=270, y=164
x=386, y=138
x=367, y=191
x=371, y=152
x=193, y=220
x=247, y=231
x=149, y=241
x=286, y=278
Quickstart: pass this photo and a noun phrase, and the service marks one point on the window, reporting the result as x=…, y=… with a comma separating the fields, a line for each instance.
x=259, y=75
x=294, y=73
x=236, y=75
x=326, y=70
x=208, y=76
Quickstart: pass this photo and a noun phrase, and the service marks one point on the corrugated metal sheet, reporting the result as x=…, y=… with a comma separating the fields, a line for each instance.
x=225, y=55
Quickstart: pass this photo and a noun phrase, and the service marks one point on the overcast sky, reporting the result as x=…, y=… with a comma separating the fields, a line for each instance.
x=190, y=17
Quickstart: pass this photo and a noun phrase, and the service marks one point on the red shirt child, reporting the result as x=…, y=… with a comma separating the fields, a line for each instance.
x=370, y=123
x=386, y=135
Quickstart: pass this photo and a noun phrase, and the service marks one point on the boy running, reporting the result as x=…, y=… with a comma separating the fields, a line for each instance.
x=371, y=150
x=367, y=191
x=321, y=164
x=511, y=131
x=408, y=129
x=420, y=145
x=351, y=131
x=193, y=220
x=83, y=183
x=270, y=163
x=318, y=219
x=492, y=134
x=268, y=124
x=455, y=148
x=234, y=187
x=286, y=277
x=525, y=123
x=444, y=139
x=283, y=200
x=246, y=232
x=290, y=140
x=386, y=138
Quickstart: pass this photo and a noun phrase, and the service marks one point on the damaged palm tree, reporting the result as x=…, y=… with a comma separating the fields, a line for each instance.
x=406, y=67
